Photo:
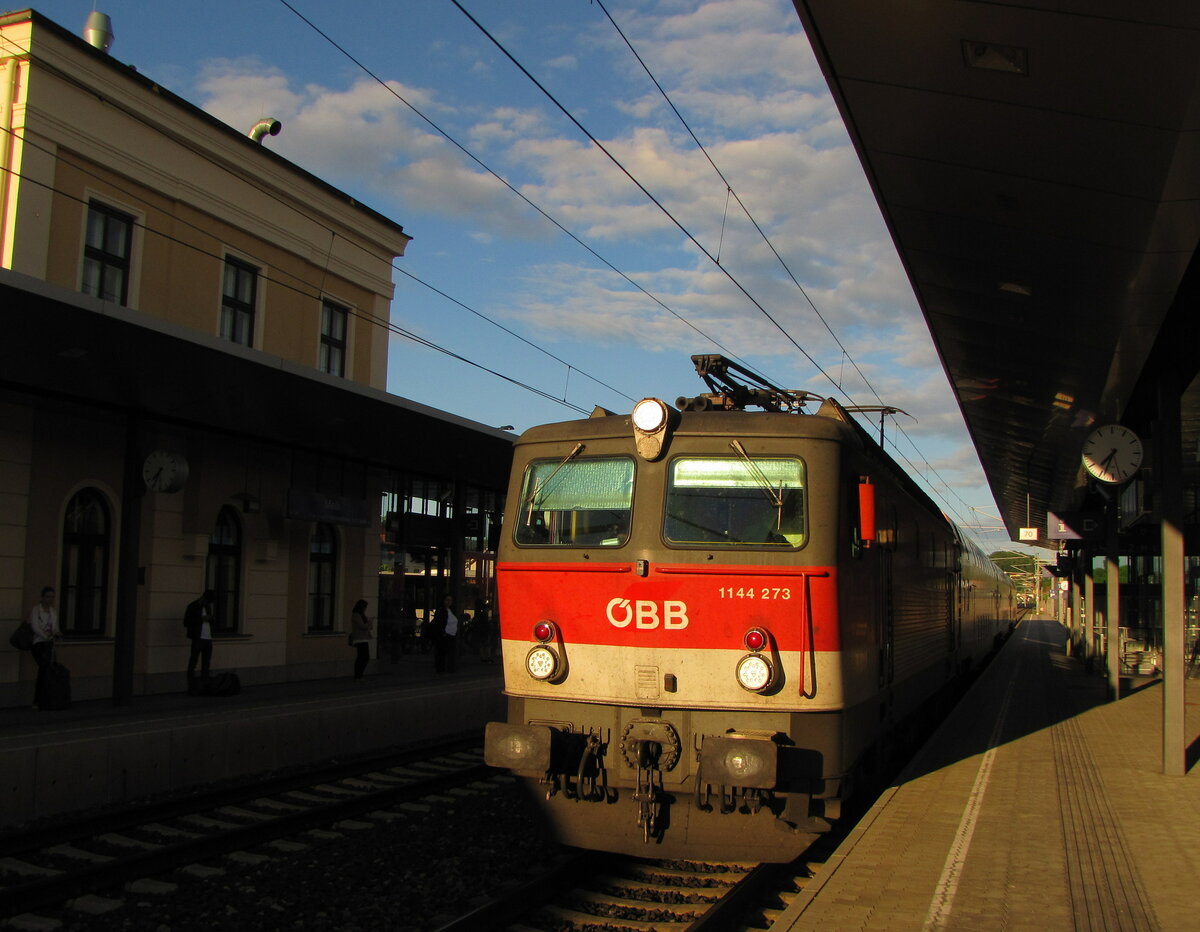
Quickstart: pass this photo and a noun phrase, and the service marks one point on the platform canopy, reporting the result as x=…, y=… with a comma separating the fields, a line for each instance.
x=68, y=348
x=1038, y=165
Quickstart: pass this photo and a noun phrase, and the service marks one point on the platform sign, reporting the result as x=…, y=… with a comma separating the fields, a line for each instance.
x=1028, y=533
x=311, y=505
x=1075, y=525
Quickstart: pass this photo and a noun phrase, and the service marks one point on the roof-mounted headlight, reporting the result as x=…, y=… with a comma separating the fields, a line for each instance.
x=650, y=417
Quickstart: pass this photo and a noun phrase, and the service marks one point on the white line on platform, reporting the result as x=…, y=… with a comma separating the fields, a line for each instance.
x=943, y=896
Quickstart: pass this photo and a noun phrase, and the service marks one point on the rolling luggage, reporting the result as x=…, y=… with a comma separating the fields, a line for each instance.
x=56, y=687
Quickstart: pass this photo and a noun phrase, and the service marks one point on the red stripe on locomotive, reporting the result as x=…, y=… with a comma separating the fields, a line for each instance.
x=681, y=605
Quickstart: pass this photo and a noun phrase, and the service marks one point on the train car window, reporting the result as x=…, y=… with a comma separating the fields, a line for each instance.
x=576, y=503
x=756, y=501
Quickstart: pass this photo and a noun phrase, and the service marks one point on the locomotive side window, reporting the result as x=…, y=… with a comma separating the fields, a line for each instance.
x=753, y=501
x=576, y=502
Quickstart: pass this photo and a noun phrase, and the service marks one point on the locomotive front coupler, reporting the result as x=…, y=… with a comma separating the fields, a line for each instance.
x=591, y=777
x=649, y=793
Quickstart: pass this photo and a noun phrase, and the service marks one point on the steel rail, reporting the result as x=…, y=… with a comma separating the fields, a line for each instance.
x=42, y=892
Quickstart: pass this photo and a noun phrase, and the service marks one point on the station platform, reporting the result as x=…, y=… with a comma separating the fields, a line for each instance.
x=97, y=754
x=1037, y=804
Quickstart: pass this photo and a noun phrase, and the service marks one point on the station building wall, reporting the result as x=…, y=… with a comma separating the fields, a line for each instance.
x=84, y=133
x=50, y=455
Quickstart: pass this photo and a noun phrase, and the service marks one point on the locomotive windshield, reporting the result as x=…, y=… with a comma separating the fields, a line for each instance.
x=576, y=502
x=751, y=501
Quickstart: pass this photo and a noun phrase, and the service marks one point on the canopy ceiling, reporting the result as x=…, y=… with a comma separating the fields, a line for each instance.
x=1038, y=165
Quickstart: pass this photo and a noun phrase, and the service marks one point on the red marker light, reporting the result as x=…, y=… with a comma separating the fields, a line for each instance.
x=543, y=631
x=756, y=639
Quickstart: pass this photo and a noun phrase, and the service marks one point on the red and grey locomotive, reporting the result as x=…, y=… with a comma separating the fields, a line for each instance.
x=715, y=620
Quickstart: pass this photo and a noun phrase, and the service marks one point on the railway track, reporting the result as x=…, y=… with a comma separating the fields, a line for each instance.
x=46, y=868
x=624, y=894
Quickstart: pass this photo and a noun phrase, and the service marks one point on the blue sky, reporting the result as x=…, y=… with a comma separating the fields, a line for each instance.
x=547, y=309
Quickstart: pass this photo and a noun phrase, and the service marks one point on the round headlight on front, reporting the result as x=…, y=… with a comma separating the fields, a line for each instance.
x=541, y=662
x=649, y=415
x=754, y=672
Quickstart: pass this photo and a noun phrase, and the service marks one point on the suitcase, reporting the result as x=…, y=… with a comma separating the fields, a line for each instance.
x=223, y=684
x=56, y=687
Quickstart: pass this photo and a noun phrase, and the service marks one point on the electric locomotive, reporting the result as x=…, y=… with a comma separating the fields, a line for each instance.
x=716, y=621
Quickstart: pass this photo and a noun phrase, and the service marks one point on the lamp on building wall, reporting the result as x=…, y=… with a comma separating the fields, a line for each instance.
x=267, y=126
x=250, y=503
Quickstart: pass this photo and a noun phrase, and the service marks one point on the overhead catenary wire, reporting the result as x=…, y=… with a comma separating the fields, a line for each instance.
x=504, y=181
x=372, y=319
x=466, y=307
x=731, y=192
x=386, y=324
x=406, y=334
x=316, y=293
x=716, y=262
x=654, y=200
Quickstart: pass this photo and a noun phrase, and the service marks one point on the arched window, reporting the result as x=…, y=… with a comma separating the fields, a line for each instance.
x=86, y=540
x=223, y=570
x=322, y=577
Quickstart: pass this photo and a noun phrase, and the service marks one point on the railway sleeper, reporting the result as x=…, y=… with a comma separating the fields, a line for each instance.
x=658, y=891
x=575, y=919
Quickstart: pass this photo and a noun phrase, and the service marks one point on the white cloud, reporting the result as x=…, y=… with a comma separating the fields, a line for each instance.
x=747, y=83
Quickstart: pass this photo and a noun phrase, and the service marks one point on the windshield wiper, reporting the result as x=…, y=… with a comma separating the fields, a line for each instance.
x=542, y=486
x=776, y=498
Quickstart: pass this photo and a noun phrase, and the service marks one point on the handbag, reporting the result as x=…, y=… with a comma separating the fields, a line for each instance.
x=22, y=638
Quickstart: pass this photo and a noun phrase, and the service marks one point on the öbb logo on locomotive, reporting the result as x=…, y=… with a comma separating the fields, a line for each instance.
x=646, y=614
x=719, y=623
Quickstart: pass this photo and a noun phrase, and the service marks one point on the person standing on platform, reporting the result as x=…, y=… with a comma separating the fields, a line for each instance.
x=445, y=634
x=44, y=622
x=486, y=635
x=197, y=620
x=360, y=637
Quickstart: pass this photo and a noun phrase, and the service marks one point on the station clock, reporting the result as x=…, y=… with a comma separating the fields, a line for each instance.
x=164, y=471
x=1112, y=454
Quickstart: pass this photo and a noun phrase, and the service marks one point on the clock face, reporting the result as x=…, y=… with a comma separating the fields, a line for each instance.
x=1112, y=454
x=164, y=471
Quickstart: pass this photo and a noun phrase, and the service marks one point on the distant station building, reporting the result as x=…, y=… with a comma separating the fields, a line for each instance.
x=192, y=391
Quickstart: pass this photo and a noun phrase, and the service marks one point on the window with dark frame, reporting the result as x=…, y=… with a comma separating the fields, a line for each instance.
x=322, y=577
x=223, y=571
x=238, y=300
x=108, y=243
x=332, y=358
x=86, y=543
x=723, y=501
